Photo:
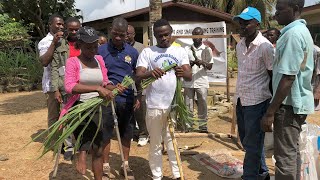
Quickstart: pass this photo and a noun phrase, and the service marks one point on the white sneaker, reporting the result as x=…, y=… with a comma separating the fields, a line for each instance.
x=106, y=170
x=143, y=141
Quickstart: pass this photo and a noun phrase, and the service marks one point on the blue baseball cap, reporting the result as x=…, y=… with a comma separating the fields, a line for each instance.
x=248, y=14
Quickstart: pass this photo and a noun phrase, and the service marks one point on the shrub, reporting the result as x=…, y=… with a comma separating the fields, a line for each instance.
x=12, y=32
x=18, y=67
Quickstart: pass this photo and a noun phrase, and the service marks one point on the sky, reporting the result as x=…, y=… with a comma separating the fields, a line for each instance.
x=98, y=9
x=310, y=2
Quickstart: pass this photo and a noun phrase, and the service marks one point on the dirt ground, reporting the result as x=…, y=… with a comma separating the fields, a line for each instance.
x=23, y=115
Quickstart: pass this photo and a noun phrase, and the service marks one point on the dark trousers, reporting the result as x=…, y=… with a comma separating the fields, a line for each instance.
x=252, y=139
x=287, y=128
x=53, y=108
x=124, y=113
x=140, y=118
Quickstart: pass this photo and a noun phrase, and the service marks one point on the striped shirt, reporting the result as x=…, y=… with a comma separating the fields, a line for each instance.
x=253, y=64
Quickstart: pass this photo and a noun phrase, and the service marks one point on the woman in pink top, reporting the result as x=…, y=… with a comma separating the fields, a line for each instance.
x=86, y=78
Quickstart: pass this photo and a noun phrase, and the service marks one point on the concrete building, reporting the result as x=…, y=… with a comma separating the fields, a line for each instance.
x=175, y=12
x=312, y=15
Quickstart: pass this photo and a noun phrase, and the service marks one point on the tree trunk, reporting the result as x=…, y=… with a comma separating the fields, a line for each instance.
x=155, y=13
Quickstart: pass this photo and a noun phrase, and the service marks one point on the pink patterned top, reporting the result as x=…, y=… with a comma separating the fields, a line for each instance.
x=72, y=77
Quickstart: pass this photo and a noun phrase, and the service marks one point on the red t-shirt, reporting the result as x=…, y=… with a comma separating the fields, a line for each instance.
x=73, y=51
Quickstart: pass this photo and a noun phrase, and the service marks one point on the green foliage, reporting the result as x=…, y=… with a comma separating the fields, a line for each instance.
x=18, y=67
x=235, y=7
x=76, y=115
x=179, y=110
x=232, y=59
x=11, y=30
x=37, y=12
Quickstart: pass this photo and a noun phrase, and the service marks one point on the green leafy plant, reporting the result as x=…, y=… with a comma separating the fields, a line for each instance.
x=180, y=111
x=232, y=59
x=37, y=13
x=12, y=32
x=18, y=67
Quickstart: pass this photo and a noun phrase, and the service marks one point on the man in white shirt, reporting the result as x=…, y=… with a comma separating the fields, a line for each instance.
x=201, y=60
x=255, y=57
x=159, y=94
x=46, y=49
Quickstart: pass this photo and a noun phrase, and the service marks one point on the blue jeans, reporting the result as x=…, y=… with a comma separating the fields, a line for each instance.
x=252, y=139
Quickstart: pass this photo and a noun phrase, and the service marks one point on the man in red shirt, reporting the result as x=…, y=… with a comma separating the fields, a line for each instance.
x=73, y=25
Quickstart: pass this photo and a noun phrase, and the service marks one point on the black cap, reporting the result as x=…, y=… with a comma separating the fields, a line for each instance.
x=87, y=34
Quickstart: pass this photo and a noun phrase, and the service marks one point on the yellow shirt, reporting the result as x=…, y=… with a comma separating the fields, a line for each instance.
x=176, y=44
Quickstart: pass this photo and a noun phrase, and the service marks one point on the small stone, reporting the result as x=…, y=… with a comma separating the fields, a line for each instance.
x=223, y=110
x=3, y=157
x=214, y=108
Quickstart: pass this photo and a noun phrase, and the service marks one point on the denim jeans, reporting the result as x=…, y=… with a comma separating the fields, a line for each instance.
x=287, y=128
x=252, y=139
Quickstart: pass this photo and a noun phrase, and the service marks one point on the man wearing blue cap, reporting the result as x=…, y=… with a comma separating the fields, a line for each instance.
x=255, y=56
x=293, y=97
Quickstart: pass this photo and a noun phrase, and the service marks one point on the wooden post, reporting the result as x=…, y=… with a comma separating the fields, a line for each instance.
x=175, y=146
x=228, y=89
x=56, y=163
x=228, y=83
x=233, y=120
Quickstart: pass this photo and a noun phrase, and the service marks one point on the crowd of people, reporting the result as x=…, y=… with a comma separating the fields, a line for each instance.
x=274, y=91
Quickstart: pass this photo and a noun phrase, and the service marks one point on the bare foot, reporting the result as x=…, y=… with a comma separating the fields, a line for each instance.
x=81, y=164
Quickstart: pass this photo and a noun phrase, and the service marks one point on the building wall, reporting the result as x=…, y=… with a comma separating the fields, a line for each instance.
x=142, y=28
x=311, y=15
x=312, y=18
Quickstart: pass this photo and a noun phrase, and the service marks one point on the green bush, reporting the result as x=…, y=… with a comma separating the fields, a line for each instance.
x=18, y=67
x=11, y=32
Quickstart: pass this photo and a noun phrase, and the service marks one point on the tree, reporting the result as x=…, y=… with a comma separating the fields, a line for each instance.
x=155, y=13
x=36, y=13
x=235, y=7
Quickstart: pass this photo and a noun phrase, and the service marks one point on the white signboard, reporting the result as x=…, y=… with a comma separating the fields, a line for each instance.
x=219, y=71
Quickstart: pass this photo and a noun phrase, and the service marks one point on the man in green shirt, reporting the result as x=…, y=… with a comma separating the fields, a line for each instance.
x=291, y=82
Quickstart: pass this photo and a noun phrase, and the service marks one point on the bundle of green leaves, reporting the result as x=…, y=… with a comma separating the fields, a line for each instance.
x=179, y=112
x=59, y=131
x=146, y=82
